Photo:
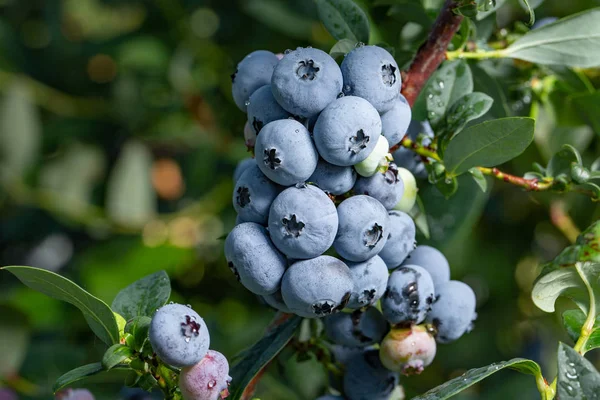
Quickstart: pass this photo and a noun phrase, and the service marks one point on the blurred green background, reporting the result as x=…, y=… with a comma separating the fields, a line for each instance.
x=118, y=140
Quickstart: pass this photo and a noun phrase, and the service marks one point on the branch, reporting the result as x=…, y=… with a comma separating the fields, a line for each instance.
x=563, y=221
x=431, y=54
x=532, y=185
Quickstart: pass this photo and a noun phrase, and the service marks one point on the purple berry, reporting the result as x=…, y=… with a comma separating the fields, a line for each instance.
x=207, y=380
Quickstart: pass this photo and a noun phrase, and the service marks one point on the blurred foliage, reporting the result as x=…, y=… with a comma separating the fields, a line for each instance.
x=118, y=140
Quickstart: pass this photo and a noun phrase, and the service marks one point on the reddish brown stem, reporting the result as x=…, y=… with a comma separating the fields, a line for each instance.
x=431, y=54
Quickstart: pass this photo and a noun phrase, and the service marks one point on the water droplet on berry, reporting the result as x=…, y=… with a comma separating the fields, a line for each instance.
x=188, y=305
x=287, y=51
x=247, y=103
x=441, y=84
x=340, y=94
x=171, y=302
x=309, y=47
x=187, y=339
x=359, y=44
x=211, y=384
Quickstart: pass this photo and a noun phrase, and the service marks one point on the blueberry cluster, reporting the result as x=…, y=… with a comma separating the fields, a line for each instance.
x=180, y=338
x=322, y=214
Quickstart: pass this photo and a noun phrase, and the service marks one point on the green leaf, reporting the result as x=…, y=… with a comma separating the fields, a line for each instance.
x=449, y=83
x=567, y=282
x=479, y=178
x=572, y=41
x=560, y=163
x=465, y=109
x=585, y=248
x=130, y=198
x=573, y=321
x=471, y=377
x=20, y=132
x=450, y=220
x=98, y=315
x=115, y=355
x=577, y=377
x=260, y=354
x=468, y=10
x=529, y=9
x=592, y=187
x=485, y=9
x=14, y=339
x=344, y=19
x=280, y=17
x=419, y=215
x=138, y=327
x=588, y=106
x=485, y=83
x=488, y=144
x=143, y=297
x=80, y=373
x=342, y=48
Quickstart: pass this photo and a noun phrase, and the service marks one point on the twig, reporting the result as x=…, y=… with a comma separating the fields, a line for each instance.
x=561, y=219
x=56, y=101
x=431, y=54
x=532, y=185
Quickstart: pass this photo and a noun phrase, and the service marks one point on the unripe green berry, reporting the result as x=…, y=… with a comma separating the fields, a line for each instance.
x=378, y=158
x=409, y=197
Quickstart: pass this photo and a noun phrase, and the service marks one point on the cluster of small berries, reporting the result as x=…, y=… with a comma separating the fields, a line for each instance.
x=180, y=338
x=322, y=213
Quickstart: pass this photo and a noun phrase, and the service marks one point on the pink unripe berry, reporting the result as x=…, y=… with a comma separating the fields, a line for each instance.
x=207, y=380
x=407, y=350
x=75, y=394
x=249, y=135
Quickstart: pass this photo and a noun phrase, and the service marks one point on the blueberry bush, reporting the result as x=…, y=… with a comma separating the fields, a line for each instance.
x=414, y=189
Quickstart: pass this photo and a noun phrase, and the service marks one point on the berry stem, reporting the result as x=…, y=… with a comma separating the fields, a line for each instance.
x=431, y=54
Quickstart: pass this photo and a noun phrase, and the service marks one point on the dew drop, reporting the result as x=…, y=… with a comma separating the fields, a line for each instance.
x=570, y=375
x=441, y=84
x=171, y=302
x=340, y=95
x=297, y=131
x=287, y=51
x=247, y=103
x=347, y=88
x=187, y=339
x=309, y=47
x=189, y=306
x=430, y=96
x=211, y=384
x=359, y=44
